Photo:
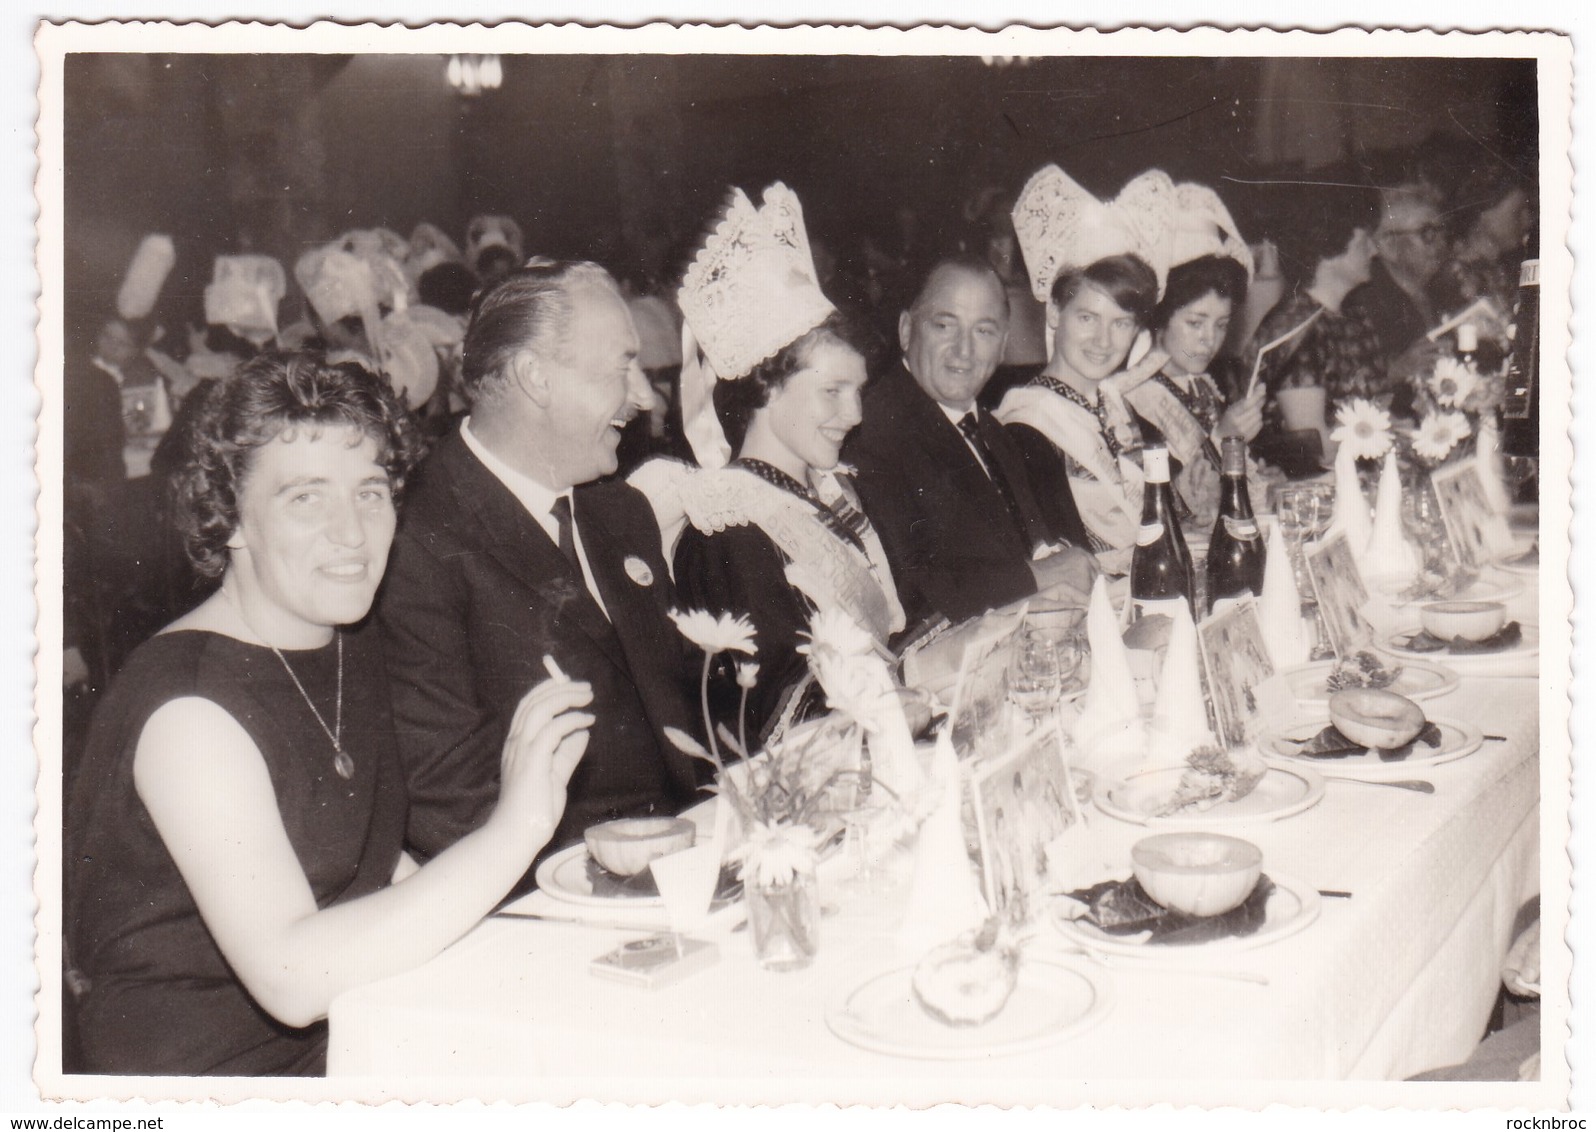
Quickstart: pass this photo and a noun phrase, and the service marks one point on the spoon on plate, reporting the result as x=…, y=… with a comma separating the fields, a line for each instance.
x=1418, y=785
x=1135, y=964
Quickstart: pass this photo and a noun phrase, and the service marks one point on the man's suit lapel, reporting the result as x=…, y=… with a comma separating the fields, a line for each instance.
x=1013, y=469
x=945, y=445
x=518, y=544
x=949, y=450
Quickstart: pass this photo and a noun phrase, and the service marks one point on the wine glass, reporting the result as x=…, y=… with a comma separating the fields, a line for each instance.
x=1036, y=676
x=1297, y=511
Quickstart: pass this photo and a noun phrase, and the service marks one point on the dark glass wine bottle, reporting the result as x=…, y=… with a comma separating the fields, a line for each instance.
x=1235, y=552
x=1161, y=576
x=1521, y=408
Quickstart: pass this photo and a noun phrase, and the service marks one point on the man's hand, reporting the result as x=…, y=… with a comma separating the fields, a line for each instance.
x=1066, y=575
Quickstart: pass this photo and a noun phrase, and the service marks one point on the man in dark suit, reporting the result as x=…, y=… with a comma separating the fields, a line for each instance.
x=508, y=552
x=939, y=478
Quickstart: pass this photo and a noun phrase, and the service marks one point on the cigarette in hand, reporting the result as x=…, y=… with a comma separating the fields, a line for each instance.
x=553, y=669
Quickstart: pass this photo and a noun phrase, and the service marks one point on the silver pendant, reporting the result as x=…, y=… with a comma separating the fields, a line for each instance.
x=344, y=765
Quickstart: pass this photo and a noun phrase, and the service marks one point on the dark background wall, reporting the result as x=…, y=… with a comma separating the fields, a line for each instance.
x=624, y=158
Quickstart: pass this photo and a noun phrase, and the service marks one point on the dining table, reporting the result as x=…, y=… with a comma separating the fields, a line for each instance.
x=1391, y=967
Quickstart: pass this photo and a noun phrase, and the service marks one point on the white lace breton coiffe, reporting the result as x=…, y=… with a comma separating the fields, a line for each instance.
x=751, y=290
x=1061, y=226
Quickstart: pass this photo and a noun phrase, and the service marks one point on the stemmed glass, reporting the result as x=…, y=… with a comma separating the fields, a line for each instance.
x=1304, y=512
x=1036, y=674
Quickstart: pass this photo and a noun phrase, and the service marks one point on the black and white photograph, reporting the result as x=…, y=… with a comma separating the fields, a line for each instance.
x=1239, y=670
x=1340, y=594
x=1471, y=522
x=467, y=450
x=1022, y=804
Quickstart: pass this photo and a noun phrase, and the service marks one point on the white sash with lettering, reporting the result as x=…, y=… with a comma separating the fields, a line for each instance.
x=1109, y=498
x=827, y=569
x=1182, y=431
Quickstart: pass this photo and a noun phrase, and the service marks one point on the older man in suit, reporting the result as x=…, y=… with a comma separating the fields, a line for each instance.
x=508, y=551
x=938, y=476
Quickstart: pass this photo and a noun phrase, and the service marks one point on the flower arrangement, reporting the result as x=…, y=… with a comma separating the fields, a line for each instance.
x=786, y=797
x=1455, y=403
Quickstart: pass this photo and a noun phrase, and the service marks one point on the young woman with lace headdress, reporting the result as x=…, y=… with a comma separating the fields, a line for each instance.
x=776, y=533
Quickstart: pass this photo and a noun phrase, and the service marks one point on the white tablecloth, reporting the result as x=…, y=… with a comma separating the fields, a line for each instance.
x=1398, y=979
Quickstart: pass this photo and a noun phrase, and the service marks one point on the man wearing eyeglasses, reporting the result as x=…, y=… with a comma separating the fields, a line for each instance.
x=1411, y=244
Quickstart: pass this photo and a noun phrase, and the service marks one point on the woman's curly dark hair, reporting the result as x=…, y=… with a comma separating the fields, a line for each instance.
x=1196, y=279
x=267, y=397
x=737, y=401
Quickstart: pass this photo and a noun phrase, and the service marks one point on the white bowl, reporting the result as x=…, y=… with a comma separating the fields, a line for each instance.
x=626, y=846
x=1471, y=620
x=1201, y=874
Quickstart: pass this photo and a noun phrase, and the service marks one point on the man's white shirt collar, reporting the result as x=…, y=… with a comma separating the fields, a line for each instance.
x=537, y=498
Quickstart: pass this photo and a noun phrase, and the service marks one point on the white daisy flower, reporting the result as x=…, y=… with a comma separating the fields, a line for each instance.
x=1363, y=427
x=715, y=634
x=1438, y=434
x=1452, y=382
x=776, y=852
x=833, y=631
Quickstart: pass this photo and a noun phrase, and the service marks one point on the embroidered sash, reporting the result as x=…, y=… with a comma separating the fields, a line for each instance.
x=1107, y=490
x=1163, y=405
x=830, y=571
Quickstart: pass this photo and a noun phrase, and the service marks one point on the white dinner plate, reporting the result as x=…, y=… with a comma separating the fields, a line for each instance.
x=1524, y=560
x=1529, y=646
x=1418, y=680
x=1051, y=1001
x=1492, y=585
x=1292, y=906
x=1280, y=793
x=1457, y=740
x=564, y=877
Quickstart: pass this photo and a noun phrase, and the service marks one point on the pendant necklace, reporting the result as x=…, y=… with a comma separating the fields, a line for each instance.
x=342, y=763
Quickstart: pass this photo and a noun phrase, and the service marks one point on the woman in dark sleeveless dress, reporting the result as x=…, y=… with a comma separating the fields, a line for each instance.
x=233, y=836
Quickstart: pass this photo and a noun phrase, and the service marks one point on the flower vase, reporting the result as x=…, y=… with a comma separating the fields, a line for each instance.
x=785, y=920
x=1426, y=529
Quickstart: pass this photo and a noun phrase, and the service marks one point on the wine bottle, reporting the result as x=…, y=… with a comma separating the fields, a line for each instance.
x=1235, y=552
x=1161, y=575
x=1521, y=408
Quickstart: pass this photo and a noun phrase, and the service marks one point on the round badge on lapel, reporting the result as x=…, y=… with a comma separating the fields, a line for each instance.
x=638, y=571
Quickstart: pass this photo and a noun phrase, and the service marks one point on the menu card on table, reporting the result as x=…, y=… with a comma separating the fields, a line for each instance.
x=1022, y=804
x=1478, y=534
x=1338, y=587
x=1245, y=694
x=980, y=699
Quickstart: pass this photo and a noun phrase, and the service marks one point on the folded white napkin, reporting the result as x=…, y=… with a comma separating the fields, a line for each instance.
x=1280, y=605
x=1109, y=729
x=892, y=756
x=1389, y=560
x=1180, y=717
x=944, y=892
x=1488, y=458
x=1351, y=508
